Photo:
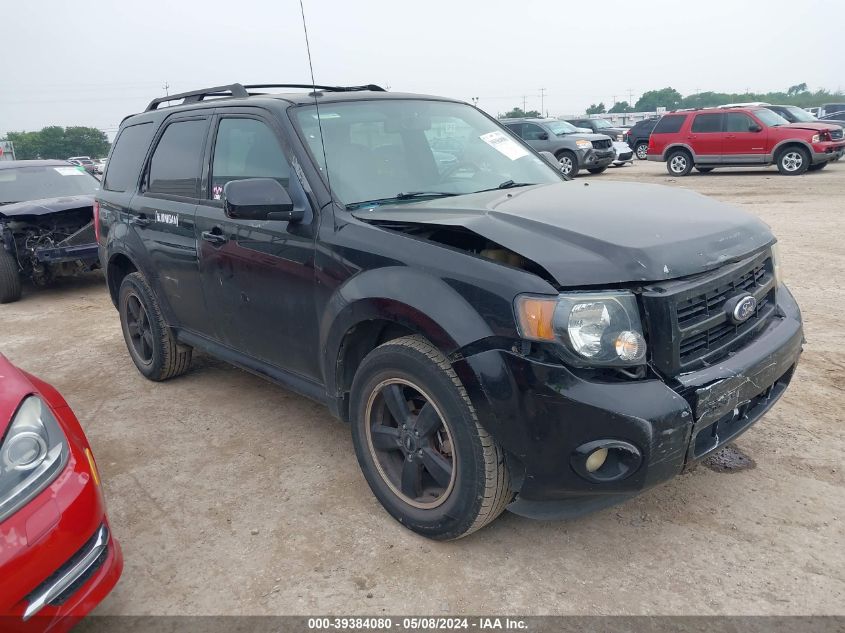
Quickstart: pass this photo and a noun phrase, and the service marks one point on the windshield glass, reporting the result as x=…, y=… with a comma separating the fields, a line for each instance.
x=377, y=150
x=601, y=123
x=35, y=183
x=561, y=128
x=770, y=118
x=800, y=114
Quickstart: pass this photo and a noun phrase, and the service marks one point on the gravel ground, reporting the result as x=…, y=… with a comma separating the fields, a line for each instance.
x=233, y=496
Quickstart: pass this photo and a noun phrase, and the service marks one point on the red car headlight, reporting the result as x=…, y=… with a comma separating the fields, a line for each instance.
x=32, y=454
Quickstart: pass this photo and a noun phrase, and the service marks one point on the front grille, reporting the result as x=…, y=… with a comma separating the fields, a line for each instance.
x=602, y=144
x=692, y=314
x=836, y=135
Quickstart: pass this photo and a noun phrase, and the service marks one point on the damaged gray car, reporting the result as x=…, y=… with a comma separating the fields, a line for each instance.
x=46, y=228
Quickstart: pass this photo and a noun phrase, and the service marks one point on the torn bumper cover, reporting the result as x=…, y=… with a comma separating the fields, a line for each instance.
x=542, y=413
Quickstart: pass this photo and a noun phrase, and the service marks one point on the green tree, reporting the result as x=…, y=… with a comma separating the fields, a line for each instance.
x=57, y=142
x=620, y=107
x=596, y=108
x=519, y=113
x=668, y=98
x=797, y=89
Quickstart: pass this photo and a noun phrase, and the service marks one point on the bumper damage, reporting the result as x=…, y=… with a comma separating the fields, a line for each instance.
x=542, y=414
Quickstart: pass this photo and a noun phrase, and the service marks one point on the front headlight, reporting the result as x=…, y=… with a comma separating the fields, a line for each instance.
x=32, y=454
x=584, y=144
x=594, y=329
x=816, y=138
x=620, y=137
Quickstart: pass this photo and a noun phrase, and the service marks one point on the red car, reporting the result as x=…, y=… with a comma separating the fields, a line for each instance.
x=58, y=558
x=742, y=136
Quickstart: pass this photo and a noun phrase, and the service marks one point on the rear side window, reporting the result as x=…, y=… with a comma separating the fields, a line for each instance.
x=670, y=124
x=531, y=132
x=246, y=148
x=130, y=149
x=516, y=128
x=707, y=123
x=175, y=165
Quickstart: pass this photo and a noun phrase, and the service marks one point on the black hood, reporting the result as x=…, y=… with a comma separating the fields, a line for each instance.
x=46, y=206
x=597, y=233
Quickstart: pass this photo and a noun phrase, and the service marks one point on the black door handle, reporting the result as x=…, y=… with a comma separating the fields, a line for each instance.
x=214, y=236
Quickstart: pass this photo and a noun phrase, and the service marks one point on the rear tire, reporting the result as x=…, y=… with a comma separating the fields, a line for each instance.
x=568, y=163
x=793, y=161
x=597, y=170
x=419, y=443
x=641, y=150
x=150, y=342
x=10, y=278
x=817, y=167
x=679, y=162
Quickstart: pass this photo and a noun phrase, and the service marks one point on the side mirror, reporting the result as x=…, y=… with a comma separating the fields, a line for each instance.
x=544, y=136
x=258, y=199
x=755, y=128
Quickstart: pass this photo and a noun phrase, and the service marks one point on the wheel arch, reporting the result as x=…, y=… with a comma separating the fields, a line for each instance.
x=119, y=266
x=379, y=305
x=670, y=148
x=791, y=142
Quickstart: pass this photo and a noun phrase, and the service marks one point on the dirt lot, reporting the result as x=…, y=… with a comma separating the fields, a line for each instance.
x=232, y=495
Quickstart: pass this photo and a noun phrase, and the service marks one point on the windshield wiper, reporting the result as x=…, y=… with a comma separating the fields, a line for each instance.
x=410, y=195
x=508, y=184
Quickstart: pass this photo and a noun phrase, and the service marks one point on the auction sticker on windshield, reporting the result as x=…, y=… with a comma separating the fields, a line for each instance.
x=504, y=145
x=70, y=171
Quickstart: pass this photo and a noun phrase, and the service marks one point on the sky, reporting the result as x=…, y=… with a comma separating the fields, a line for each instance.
x=94, y=62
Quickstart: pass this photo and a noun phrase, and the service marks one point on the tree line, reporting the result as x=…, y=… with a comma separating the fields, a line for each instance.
x=60, y=142
x=671, y=99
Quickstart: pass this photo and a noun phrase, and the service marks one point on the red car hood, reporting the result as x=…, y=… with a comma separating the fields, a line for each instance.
x=14, y=386
x=809, y=125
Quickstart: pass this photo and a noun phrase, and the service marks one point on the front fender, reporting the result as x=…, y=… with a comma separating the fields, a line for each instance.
x=407, y=296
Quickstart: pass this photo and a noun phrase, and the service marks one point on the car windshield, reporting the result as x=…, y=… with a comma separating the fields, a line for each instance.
x=35, y=183
x=406, y=150
x=561, y=128
x=770, y=118
x=601, y=123
x=800, y=114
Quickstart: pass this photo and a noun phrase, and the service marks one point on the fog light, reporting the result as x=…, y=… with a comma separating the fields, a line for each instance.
x=596, y=460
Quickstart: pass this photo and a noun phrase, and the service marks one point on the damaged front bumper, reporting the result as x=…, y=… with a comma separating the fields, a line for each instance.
x=543, y=414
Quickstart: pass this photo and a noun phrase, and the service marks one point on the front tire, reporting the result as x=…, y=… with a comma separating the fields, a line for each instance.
x=150, y=342
x=793, y=161
x=641, y=150
x=420, y=445
x=679, y=162
x=568, y=163
x=10, y=278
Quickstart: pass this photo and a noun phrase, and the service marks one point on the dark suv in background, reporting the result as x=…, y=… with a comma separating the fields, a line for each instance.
x=574, y=150
x=600, y=126
x=495, y=335
x=637, y=136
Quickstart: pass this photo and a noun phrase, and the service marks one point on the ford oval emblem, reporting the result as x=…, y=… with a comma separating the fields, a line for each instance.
x=744, y=309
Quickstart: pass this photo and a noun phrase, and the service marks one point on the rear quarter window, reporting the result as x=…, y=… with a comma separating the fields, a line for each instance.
x=130, y=149
x=670, y=124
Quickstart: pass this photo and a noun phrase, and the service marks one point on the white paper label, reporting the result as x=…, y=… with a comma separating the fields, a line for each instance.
x=504, y=145
x=70, y=171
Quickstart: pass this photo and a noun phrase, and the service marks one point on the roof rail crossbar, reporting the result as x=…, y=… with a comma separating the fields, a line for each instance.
x=233, y=90
x=371, y=87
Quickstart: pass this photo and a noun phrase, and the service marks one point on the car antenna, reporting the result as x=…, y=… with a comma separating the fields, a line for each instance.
x=317, y=108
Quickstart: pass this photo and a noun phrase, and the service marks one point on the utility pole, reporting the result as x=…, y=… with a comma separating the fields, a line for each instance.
x=166, y=87
x=523, y=103
x=474, y=101
x=542, y=101
x=631, y=97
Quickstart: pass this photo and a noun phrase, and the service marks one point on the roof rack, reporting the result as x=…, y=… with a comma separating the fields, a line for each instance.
x=241, y=91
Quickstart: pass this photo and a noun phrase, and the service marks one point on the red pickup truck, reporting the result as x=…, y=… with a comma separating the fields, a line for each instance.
x=741, y=136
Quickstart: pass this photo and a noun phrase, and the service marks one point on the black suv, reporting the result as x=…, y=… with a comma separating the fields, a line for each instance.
x=496, y=336
x=637, y=136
